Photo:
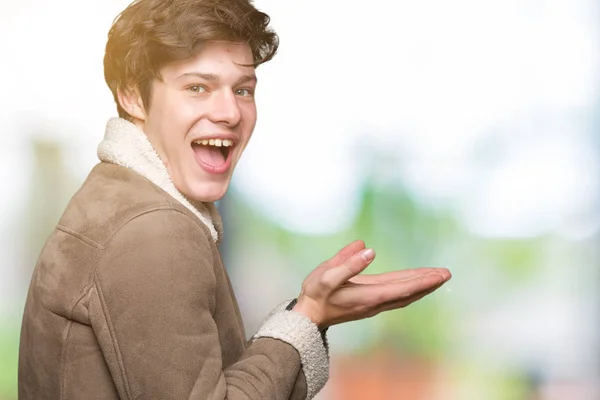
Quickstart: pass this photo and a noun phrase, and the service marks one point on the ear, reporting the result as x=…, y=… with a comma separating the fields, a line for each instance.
x=131, y=101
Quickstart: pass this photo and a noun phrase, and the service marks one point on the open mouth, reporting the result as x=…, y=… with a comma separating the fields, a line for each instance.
x=213, y=152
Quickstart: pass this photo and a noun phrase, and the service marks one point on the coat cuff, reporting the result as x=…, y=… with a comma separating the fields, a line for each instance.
x=304, y=335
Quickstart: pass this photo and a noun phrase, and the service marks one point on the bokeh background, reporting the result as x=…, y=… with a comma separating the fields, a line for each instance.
x=461, y=134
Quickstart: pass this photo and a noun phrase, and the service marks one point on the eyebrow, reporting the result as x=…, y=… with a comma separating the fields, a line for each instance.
x=215, y=78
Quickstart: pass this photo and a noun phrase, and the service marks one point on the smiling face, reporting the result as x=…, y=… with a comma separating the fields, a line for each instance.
x=201, y=117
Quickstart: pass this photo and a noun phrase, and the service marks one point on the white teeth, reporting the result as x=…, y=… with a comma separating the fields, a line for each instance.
x=215, y=142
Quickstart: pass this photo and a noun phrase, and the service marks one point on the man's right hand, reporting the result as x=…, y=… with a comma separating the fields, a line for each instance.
x=335, y=292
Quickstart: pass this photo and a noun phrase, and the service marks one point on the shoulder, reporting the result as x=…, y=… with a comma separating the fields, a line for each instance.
x=113, y=197
x=160, y=250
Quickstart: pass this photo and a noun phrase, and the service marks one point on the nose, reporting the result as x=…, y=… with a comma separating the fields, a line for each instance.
x=224, y=108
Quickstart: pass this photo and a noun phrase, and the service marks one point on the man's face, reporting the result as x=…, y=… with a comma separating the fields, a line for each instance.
x=201, y=118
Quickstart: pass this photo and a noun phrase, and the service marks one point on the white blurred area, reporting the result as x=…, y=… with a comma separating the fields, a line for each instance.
x=433, y=79
x=490, y=108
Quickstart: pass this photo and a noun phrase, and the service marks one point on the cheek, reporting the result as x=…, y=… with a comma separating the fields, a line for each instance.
x=249, y=116
x=172, y=107
x=176, y=121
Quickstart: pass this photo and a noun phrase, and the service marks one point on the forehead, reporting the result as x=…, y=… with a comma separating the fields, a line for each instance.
x=223, y=59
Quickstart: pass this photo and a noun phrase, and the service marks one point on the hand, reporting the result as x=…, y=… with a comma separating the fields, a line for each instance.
x=334, y=292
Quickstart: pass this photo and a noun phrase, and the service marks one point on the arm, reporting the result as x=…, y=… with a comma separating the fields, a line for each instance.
x=152, y=308
x=287, y=325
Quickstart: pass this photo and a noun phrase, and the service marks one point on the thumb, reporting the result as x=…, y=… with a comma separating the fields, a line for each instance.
x=334, y=277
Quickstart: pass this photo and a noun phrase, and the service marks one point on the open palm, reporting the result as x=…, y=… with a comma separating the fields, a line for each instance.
x=337, y=292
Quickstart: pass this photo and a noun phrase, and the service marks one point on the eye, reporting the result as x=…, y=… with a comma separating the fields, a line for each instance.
x=196, y=89
x=244, y=92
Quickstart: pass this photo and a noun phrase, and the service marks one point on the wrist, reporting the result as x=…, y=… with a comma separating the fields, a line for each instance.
x=301, y=307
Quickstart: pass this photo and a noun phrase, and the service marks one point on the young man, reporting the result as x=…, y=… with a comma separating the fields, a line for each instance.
x=129, y=298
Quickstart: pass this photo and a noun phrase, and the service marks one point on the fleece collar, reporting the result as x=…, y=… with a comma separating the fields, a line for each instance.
x=126, y=145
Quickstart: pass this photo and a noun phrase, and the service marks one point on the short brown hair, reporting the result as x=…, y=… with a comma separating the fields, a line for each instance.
x=149, y=34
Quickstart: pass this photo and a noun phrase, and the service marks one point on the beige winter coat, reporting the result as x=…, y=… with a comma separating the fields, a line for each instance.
x=130, y=299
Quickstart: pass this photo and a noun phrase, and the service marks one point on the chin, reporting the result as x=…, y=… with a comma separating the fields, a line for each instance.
x=206, y=194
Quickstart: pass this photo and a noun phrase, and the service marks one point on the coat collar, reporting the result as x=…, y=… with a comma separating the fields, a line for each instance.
x=126, y=145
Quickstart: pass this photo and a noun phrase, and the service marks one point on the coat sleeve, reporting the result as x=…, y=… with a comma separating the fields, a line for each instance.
x=151, y=308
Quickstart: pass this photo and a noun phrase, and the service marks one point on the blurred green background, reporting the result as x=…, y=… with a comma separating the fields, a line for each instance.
x=464, y=135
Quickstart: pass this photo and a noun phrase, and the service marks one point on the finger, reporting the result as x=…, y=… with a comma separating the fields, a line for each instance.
x=344, y=254
x=412, y=287
x=399, y=275
x=376, y=295
x=354, y=265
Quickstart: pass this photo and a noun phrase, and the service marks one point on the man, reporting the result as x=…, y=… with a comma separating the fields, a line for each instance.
x=129, y=298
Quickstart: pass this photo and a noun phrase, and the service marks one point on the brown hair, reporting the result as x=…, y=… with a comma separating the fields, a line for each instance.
x=149, y=34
